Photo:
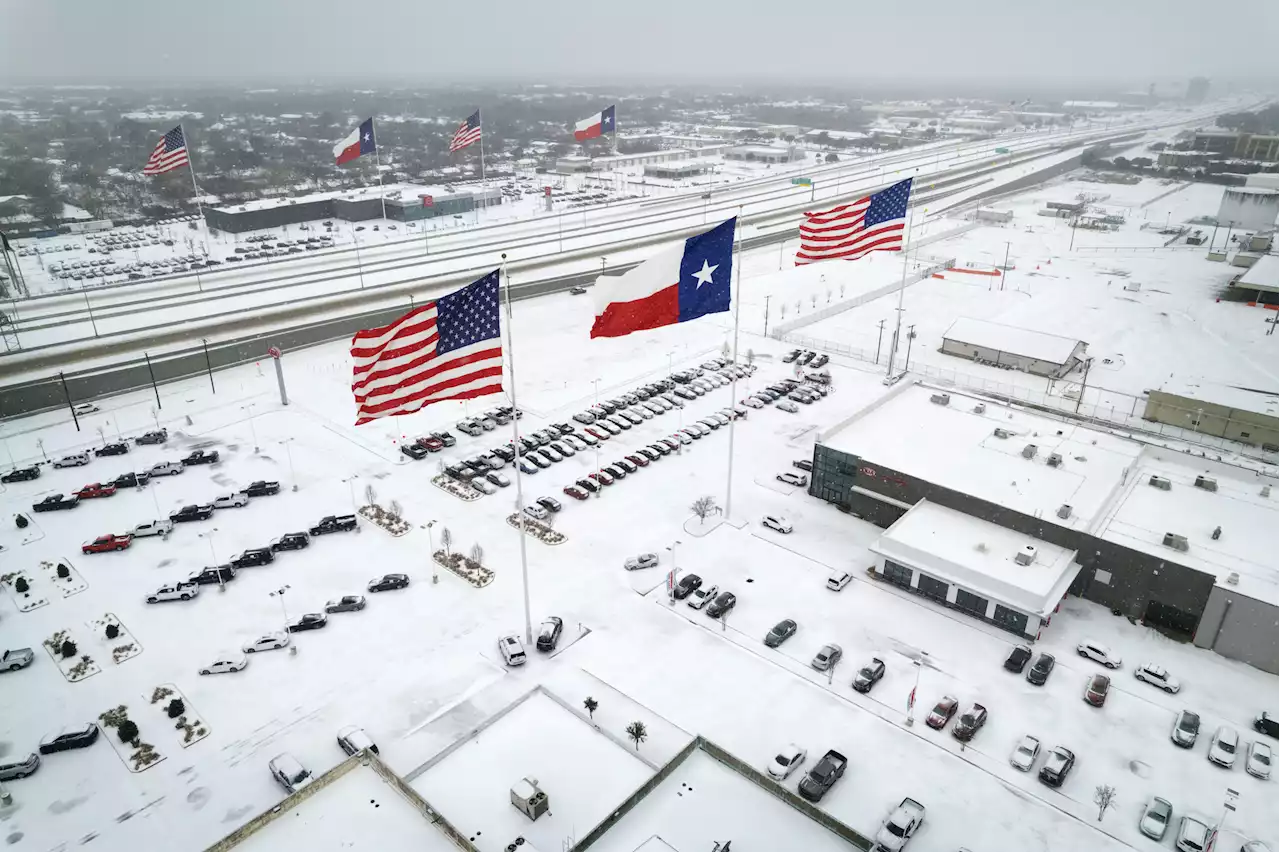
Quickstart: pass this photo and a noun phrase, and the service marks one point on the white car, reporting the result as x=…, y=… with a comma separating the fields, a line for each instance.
x=575, y=441
x=1223, y=747
x=231, y=501
x=1025, y=753
x=752, y=402
x=777, y=523
x=787, y=406
x=1193, y=835
x=644, y=560
x=174, y=592
x=85, y=408
x=291, y=774
x=703, y=596
x=73, y=460
x=1258, y=763
x=353, y=740
x=797, y=479
x=536, y=512
x=1157, y=676
x=166, y=468
x=512, y=650
x=150, y=528
x=1099, y=654
x=786, y=761
x=267, y=642
x=838, y=580
x=224, y=665
x=484, y=486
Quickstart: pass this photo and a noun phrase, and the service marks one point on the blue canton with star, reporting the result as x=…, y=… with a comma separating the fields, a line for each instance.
x=705, y=272
x=469, y=315
x=888, y=204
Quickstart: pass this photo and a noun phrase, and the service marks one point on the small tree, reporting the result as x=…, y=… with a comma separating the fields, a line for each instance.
x=128, y=731
x=477, y=554
x=1104, y=796
x=751, y=356
x=63, y=571
x=113, y=631
x=638, y=733
x=21, y=586
x=176, y=708
x=724, y=350
x=370, y=496
x=21, y=521
x=395, y=510
x=446, y=541
x=702, y=507
x=591, y=704
x=68, y=649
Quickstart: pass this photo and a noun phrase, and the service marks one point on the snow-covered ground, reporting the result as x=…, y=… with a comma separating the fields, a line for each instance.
x=419, y=668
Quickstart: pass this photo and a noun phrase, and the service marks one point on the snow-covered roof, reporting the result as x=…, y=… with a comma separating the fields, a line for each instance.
x=979, y=556
x=1263, y=275
x=956, y=447
x=1013, y=340
x=391, y=190
x=1259, y=401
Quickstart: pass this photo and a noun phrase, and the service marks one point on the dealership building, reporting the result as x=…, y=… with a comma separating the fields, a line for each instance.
x=999, y=512
x=404, y=203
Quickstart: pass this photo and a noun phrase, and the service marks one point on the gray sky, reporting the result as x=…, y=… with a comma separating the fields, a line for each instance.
x=1131, y=42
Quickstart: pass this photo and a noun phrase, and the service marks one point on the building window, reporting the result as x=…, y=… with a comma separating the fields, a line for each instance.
x=932, y=588
x=971, y=603
x=1011, y=620
x=899, y=575
x=1244, y=434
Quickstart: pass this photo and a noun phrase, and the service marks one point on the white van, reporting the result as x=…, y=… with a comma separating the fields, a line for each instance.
x=838, y=580
x=512, y=650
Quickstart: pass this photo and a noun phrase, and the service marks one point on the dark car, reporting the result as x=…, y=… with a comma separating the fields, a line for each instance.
x=1096, y=689
x=1057, y=766
x=803, y=464
x=130, y=480
x=192, y=513
x=869, y=675
x=79, y=738
x=969, y=723
x=291, y=541
x=549, y=503
x=201, y=457
x=389, y=582
x=549, y=634
x=209, y=576
x=262, y=488
x=16, y=767
x=1265, y=723
x=334, y=523
x=117, y=449
x=505, y=453
x=254, y=556
x=21, y=474
x=417, y=452
x=158, y=436
x=942, y=713
x=1018, y=659
x=346, y=603
x=781, y=632
x=823, y=776
x=55, y=503
x=722, y=605
x=1041, y=669
x=310, y=621
x=687, y=585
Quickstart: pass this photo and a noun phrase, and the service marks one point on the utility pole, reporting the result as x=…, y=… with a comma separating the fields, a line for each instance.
x=1004, y=271
x=911, y=335
x=766, y=315
x=70, y=405
x=879, y=337
x=208, y=364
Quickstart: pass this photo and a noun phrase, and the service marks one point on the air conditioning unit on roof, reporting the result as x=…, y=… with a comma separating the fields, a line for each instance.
x=1160, y=482
x=1029, y=451
x=1177, y=542
x=1206, y=483
x=1026, y=555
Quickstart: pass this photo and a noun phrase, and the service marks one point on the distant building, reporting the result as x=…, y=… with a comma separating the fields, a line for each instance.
x=1252, y=207
x=1013, y=348
x=1197, y=90
x=404, y=203
x=677, y=170
x=763, y=154
x=1224, y=411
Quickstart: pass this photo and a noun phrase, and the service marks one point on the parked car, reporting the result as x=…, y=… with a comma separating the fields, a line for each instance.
x=21, y=474
x=869, y=675
x=1057, y=766
x=201, y=457
x=106, y=543
x=388, y=582
x=1193, y=835
x=797, y=479
x=900, y=826
x=512, y=650
x=231, y=501
x=290, y=774
x=82, y=408
x=156, y=436
x=166, y=468
x=1157, y=676
x=1223, y=747
x=1099, y=654
x=262, y=488
x=781, y=632
x=722, y=605
x=1258, y=760
x=334, y=523
x=268, y=642
x=68, y=739
x=969, y=723
x=174, y=592
x=703, y=596
x=1186, y=728
x=13, y=768
x=346, y=603
x=549, y=503
x=483, y=485
x=827, y=657
x=130, y=480
x=226, y=665
x=786, y=761
x=55, y=503
x=445, y=437
x=1039, y=672
x=95, y=490
x=549, y=633
x=686, y=585
x=16, y=658
x=353, y=740
x=220, y=574
x=1018, y=659
x=787, y=406
x=290, y=541
x=942, y=712
x=823, y=776
x=254, y=557
x=777, y=523
x=114, y=449
x=1025, y=753
x=192, y=512
x=73, y=460
x=576, y=492
x=1096, y=689
x=644, y=560
x=1156, y=817
x=309, y=621
x=415, y=451
x=1264, y=723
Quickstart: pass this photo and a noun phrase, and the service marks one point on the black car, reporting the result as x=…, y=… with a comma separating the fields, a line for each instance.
x=192, y=513
x=504, y=453
x=416, y=452
x=21, y=474
x=334, y=523
x=1041, y=669
x=969, y=723
x=130, y=480
x=254, y=556
x=79, y=738
x=291, y=541
x=1018, y=659
x=563, y=428
x=722, y=605
x=1058, y=766
x=823, y=776
x=56, y=502
x=209, y=576
x=781, y=632
x=201, y=457
x=262, y=488
x=869, y=675
x=803, y=464
x=310, y=621
x=549, y=634
x=687, y=585
x=389, y=582
x=117, y=449
x=549, y=503
x=158, y=436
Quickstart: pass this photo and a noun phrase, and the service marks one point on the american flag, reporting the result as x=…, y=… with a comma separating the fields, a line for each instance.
x=852, y=231
x=468, y=132
x=170, y=154
x=447, y=349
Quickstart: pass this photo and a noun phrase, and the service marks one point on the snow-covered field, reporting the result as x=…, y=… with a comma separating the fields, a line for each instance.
x=419, y=668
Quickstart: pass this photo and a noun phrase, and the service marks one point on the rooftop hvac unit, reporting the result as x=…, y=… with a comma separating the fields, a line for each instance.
x=1233, y=579
x=1266, y=491
x=1064, y=511
x=1002, y=433
x=1055, y=460
x=980, y=408
x=528, y=799
x=1160, y=482
x=1132, y=286
x=1029, y=451
x=940, y=399
x=1206, y=483
x=1177, y=542
x=1026, y=555
x=520, y=845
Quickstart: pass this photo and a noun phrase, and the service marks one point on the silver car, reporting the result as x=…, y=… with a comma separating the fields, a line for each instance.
x=827, y=657
x=644, y=560
x=1258, y=761
x=1025, y=753
x=19, y=767
x=1193, y=835
x=1223, y=747
x=353, y=740
x=291, y=774
x=19, y=658
x=1156, y=818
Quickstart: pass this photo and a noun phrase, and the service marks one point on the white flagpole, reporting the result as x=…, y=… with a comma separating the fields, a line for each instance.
x=377, y=162
x=192, y=167
x=902, y=288
x=483, y=185
x=515, y=441
x=733, y=384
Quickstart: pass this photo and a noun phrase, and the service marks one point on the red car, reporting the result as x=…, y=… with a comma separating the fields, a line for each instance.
x=105, y=543
x=598, y=433
x=433, y=445
x=942, y=713
x=637, y=459
x=601, y=478
x=95, y=489
x=575, y=492
x=1096, y=689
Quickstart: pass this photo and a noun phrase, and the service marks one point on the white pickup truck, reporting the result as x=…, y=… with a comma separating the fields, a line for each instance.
x=900, y=826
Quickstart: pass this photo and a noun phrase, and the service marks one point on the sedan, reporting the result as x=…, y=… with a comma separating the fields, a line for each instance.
x=1057, y=766
x=827, y=657
x=85, y=408
x=1158, y=677
x=781, y=632
x=777, y=523
x=1258, y=760
x=267, y=642
x=1096, y=689
x=226, y=665
x=942, y=712
x=1223, y=747
x=498, y=479
x=389, y=582
x=353, y=740
x=575, y=492
x=1018, y=659
x=786, y=761
x=346, y=603
x=722, y=605
x=1186, y=728
x=1155, y=818
x=67, y=740
x=1025, y=753
x=969, y=723
x=1040, y=671
x=644, y=560
x=310, y=621
x=483, y=486
x=788, y=406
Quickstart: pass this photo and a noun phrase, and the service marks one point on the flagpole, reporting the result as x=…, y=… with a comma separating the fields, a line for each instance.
x=902, y=289
x=480, y=116
x=191, y=167
x=515, y=445
x=733, y=384
x=377, y=162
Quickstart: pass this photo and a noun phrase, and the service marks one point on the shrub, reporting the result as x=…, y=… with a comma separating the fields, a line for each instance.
x=68, y=649
x=21, y=521
x=113, y=631
x=128, y=731
x=63, y=571
x=176, y=708
x=21, y=586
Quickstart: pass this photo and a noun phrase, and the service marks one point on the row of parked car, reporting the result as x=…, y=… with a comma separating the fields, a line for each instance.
x=805, y=358
x=807, y=392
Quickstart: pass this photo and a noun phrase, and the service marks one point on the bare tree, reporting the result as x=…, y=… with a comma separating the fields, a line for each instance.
x=704, y=506
x=638, y=733
x=370, y=496
x=446, y=541
x=751, y=356
x=395, y=510
x=477, y=554
x=1104, y=796
x=591, y=704
x=724, y=350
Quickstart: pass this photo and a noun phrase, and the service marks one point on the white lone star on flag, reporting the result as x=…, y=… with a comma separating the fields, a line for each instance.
x=704, y=274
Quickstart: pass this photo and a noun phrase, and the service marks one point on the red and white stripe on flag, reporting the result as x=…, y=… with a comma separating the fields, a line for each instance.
x=851, y=231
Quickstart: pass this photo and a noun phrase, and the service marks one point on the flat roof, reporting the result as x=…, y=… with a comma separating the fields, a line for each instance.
x=956, y=447
x=1016, y=341
x=1259, y=401
x=1142, y=515
x=1263, y=275
x=979, y=556
x=391, y=190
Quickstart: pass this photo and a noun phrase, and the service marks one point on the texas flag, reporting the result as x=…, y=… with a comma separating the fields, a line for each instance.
x=676, y=285
x=597, y=125
x=358, y=143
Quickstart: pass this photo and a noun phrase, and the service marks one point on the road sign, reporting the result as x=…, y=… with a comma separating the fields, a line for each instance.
x=802, y=181
x=1002, y=150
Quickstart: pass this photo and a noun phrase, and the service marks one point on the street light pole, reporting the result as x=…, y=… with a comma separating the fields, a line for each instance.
x=248, y=409
x=289, y=454
x=279, y=593
x=351, y=486
x=671, y=584
x=431, y=550
x=911, y=700
x=1228, y=806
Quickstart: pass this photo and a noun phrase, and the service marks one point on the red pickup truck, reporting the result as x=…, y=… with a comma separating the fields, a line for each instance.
x=95, y=489
x=104, y=543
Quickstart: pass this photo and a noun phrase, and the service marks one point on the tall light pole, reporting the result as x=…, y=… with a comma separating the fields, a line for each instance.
x=279, y=593
x=351, y=486
x=208, y=536
x=248, y=410
x=911, y=699
x=431, y=550
x=289, y=455
x=595, y=383
x=1228, y=806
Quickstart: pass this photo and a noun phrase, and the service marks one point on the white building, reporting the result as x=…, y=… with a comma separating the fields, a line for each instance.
x=1015, y=348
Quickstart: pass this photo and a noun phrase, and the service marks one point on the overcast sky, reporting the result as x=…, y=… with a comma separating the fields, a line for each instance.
x=1131, y=42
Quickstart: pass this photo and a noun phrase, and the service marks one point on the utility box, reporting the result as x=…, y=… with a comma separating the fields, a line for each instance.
x=529, y=799
x=1029, y=451
x=1177, y=542
x=1160, y=482
x=1055, y=460
x=1026, y=555
x=940, y=399
x=1206, y=483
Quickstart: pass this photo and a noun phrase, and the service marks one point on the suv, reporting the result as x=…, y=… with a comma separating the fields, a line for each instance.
x=549, y=633
x=73, y=460
x=1041, y=669
x=1099, y=654
x=1057, y=766
x=687, y=584
x=1186, y=728
x=969, y=723
x=291, y=774
x=512, y=650
x=254, y=556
